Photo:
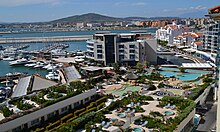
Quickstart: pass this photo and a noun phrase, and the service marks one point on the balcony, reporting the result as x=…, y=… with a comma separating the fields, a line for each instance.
x=90, y=50
x=91, y=41
x=89, y=46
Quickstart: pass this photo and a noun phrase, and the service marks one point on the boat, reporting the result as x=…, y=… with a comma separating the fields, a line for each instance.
x=51, y=67
x=47, y=66
x=8, y=59
x=22, y=61
x=53, y=76
x=39, y=65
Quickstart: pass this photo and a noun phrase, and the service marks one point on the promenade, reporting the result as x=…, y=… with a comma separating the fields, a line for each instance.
x=44, y=39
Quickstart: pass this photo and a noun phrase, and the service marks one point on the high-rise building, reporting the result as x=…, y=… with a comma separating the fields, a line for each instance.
x=211, y=37
x=214, y=13
x=126, y=48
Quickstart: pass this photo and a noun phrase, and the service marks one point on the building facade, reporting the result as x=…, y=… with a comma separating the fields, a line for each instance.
x=214, y=13
x=169, y=32
x=109, y=48
x=211, y=37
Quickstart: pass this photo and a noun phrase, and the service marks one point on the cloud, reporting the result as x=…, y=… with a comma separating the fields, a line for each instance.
x=13, y=3
x=139, y=4
x=192, y=8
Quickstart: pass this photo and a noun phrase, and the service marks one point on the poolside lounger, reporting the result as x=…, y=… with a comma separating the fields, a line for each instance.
x=167, y=106
x=132, y=112
x=107, y=125
x=145, y=123
x=173, y=107
x=127, y=110
x=132, y=104
x=103, y=123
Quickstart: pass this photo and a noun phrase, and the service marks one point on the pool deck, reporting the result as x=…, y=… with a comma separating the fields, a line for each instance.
x=152, y=106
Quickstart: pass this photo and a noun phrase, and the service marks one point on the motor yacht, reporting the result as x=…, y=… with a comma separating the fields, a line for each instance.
x=22, y=61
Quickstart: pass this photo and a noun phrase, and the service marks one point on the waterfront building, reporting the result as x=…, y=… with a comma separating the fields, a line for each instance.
x=126, y=48
x=214, y=13
x=170, y=31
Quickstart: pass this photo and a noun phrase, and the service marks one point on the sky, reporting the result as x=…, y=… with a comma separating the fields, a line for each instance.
x=47, y=10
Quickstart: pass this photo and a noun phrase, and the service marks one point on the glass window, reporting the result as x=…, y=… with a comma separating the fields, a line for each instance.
x=99, y=46
x=132, y=51
x=132, y=56
x=99, y=51
x=131, y=46
x=99, y=56
x=121, y=46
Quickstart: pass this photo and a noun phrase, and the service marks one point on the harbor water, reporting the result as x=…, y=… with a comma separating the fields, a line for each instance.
x=73, y=46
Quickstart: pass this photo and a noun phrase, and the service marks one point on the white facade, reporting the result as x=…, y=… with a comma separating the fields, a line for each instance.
x=168, y=32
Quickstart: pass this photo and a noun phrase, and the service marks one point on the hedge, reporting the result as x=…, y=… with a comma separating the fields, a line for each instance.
x=39, y=130
x=100, y=106
x=65, y=118
x=99, y=101
x=71, y=119
x=57, y=123
x=77, y=112
x=92, y=104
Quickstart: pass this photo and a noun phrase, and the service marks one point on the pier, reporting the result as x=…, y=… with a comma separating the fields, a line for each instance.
x=44, y=39
x=4, y=78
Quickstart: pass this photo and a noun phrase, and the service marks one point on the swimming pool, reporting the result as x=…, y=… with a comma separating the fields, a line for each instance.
x=122, y=115
x=188, y=76
x=168, y=113
x=137, y=130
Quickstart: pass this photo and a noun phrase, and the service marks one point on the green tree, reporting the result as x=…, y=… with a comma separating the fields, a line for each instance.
x=7, y=112
x=182, y=69
x=116, y=67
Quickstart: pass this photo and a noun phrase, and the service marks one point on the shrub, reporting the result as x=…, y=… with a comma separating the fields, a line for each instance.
x=39, y=130
x=65, y=118
x=99, y=101
x=57, y=123
x=6, y=112
x=77, y=112
x=100, y=106
x=152, y=87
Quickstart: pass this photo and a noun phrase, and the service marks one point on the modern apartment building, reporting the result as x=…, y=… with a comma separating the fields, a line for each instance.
x=214, y=38
x=211, y=37
x=109, y=48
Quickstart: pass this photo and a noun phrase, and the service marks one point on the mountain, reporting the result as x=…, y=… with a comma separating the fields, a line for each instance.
x=93, y=17
x=90, y=17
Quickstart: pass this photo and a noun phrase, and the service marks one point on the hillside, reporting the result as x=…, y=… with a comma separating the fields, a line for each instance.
x=93, y=17
x=90, y=17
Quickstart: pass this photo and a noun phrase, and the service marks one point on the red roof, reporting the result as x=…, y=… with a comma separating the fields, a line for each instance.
x=198, y=43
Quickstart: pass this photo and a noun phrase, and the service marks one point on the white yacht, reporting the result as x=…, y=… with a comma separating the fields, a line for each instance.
x=18, y=62
x=47, y=66
x=53, y=76
x=39, y=65
x=8, y=59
